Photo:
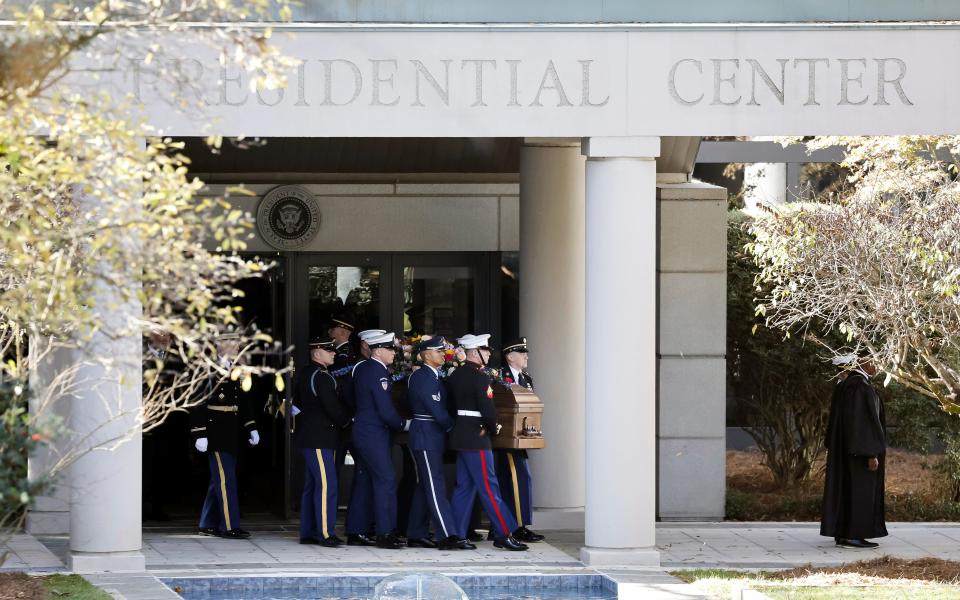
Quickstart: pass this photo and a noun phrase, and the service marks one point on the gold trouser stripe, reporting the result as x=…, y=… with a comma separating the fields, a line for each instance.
x=516, y=489
x=223, y=491
x=323, y=505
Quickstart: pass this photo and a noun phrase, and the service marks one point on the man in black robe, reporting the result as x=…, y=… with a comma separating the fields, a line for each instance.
x=856, y=447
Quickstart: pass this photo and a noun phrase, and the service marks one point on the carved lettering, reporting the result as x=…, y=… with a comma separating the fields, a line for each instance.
x=514, y=89
x=551, y=73
x=443, y=92
x=719, y=78
x=755, y=68
x=585, y=85
x=811, y=77
x=478, y=75
x=883, y=82
x=328, y=81
x=279, y=92
x=845, y=81
x=378, y=79
x=237, y=80
x=672, y=82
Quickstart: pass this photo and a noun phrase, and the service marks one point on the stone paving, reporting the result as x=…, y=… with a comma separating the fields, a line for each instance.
x=273, y=551
x=783, y=545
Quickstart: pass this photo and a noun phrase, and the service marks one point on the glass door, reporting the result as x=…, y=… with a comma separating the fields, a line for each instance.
x=442, y=294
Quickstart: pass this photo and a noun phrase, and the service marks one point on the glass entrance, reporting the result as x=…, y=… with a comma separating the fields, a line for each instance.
x=409, y=294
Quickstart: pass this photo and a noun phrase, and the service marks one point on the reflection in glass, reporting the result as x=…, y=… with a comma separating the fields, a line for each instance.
x=355, y=290
x=438, y=300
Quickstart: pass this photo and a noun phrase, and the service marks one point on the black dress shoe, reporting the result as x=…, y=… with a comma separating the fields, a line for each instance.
x=421, y=543
x=454, y=543
x=360, y=539
x=399, y=537
x=473, y=536
x=854, y=543
x=508, y=543
x=235, y=534
x=309, y=540
x=210, y=531
x=389, y=542
x=490, y=536
x=331, y=542
x=525, y=535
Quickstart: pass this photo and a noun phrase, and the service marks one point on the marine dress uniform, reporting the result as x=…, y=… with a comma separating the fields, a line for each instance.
x=216, y=425
x=513, y=468
x=471, y=394
x=319, y=419
x=373, y=424
x=428, y=439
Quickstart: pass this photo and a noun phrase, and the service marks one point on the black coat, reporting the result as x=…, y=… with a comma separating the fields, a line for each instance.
x=469, y=390
x=222, y=415
x=853, y=505
x=321, y=416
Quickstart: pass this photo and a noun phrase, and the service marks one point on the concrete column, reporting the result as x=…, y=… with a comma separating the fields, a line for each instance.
x=551, y=317
x=693, y=331
x=105, y=414
x=49, y=514
x=764, y=183
x=621, y=317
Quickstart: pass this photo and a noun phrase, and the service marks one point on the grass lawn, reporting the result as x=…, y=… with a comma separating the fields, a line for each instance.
x=73, y=587
x=881, y=579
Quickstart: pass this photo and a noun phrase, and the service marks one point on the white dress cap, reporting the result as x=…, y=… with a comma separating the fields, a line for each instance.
x=847, y=359
x=470, y=341
x=366, y=334
x=384, y=339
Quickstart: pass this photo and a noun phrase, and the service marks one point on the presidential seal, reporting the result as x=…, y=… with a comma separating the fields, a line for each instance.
x=288, y=217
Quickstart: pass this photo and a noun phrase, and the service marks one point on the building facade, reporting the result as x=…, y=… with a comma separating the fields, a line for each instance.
x=429, y=152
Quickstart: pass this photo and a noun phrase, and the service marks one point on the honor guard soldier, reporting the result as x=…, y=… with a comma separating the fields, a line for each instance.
x=374, y=421
x=341, y=328
x=471, y=394
x=319, y=419
x=428, y=437
x=217, y=423
x=360, y=512
x=513, y=468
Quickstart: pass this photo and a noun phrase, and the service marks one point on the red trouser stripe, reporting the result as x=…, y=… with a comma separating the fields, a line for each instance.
x=493, y=501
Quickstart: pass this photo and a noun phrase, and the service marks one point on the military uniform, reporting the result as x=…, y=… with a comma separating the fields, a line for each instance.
x=342, y=365
x=219, y=420
x=373, y=423
x=428, y=439
x=476, y=423
x=318, y=424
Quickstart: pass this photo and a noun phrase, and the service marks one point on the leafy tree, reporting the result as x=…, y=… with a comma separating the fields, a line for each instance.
x=880, y=265
x=102, y=234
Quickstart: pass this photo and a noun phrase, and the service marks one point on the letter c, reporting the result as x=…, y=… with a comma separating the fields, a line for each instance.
x=672, y=82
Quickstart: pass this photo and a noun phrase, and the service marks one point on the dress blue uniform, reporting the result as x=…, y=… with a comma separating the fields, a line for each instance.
x=319, y=422
x=373, y=423
x=428, y=433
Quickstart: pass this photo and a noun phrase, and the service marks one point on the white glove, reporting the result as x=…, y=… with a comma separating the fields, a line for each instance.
x=406, y=424
x=254, y=437
x=201, y=444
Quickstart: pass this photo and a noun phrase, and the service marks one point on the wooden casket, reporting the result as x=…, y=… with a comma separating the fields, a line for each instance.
x=519, y=411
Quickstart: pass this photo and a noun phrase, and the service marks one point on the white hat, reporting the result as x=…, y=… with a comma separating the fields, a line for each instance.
x=384, y=340
x=470, y=341
x=366, y=334
x=846, y=359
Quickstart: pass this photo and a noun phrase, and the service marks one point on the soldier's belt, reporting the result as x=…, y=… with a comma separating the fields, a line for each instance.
x=227, y=409
x=417, y=417
x=469, y=413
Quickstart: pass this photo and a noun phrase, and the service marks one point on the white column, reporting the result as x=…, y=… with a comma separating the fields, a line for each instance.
x=105, y=480
x=551, y=318
x=764, y=183
x=621, y=321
